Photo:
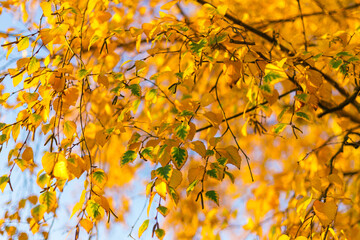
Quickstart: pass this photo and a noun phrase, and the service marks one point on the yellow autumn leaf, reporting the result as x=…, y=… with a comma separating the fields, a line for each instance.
x=18, y=79
x=69, y=128
x=46, y=8
x=23, y=44
x=138, y=42
x=86, y=224
x=42, y=179
x=198, y=147
x=161, y=188
x=94, y=210
x=222, y=9
x=48, y=162
x=168, y=5
x=38, y=212
x=99, y=177
x=207, y=99
x=326, y=212
x=48, y=199
x=3, y=182
x=176, y=178
x=195, y=173
x=284, y=237
x=28, y=154
x=78, y=206
x=61, y=171
x=234, y=156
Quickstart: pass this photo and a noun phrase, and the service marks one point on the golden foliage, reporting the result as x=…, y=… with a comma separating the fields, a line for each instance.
x=232, y=118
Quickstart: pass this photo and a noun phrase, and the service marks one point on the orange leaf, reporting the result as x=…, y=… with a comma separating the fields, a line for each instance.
x=325, y=211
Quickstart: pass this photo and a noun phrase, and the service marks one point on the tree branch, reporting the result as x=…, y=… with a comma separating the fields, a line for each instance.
x=248, y=110
x=286, y=50
x=346, y=102
x=319, y=13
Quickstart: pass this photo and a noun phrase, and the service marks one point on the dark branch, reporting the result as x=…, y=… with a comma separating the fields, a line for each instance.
x=346, y=102
x=291, y=19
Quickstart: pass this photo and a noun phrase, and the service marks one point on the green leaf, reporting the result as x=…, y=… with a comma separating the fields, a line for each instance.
x=163, y=210
x=150, y=95
x=303, y=97
x=109, y=130
x=93, y=40
x=118, y=76
x=178, y=156
x=182, y=130
x=82, y=73
x=93, y=209
x=116, y=90
x=335, y=63
x=209, y=153
x=278, y=128
x=343, y=54
x=48, y=199
x=353, y=59
x=197, y=47
x=128, y=156
x=36, y=117
x=231, y=176
x=147, y=153
x=173, y=88
x=222, y=161
x=212, y=195
x=160, y=233
x=3, y=182
x=316, y=57
x=217, y=39
x=22, y=164
x=143, y=227
x=179, y=75
x=164, y=173
x=191, y=187
x=271, y=76
x=3, y=138
x=280, y=116
x=303, y=116
x=343, y=69
x=266, y=88
x=42, y=180
x=23, y=44
x=135, y=89
x=212, y=173
x=135, y=105
x=186, y=113
x=38, y=212
x=99, y=176
x=173, y=195
x=134, y=138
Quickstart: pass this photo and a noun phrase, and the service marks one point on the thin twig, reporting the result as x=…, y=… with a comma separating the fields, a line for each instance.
x=303, y=25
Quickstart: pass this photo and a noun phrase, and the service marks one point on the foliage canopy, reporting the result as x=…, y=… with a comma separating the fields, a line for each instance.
x=234, y=118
